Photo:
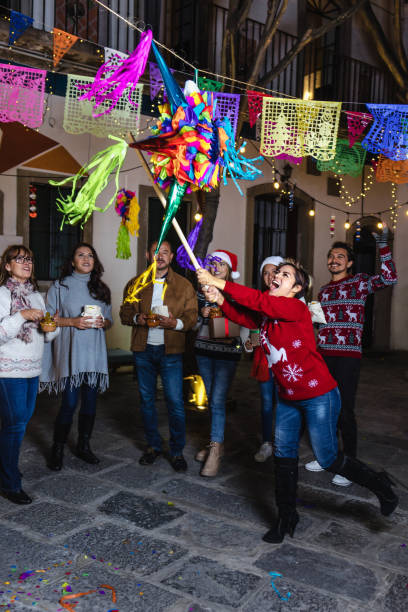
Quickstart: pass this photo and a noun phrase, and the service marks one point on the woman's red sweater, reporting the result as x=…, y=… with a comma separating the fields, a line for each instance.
x=287, y=337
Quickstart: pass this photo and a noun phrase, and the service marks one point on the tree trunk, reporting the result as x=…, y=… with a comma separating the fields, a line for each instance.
x=205, y=236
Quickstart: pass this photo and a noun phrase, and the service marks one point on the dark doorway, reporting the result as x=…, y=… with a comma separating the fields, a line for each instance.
x=365, y=261
x=156, y=213
x=274, y=231
x=50, y=244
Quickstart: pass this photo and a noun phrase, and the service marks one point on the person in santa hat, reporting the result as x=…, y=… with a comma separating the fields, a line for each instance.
x=217, y=362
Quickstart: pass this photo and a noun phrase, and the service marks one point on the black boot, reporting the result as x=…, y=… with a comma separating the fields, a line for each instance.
x=61, y=431
x=85, y=427
x=360, y=473
x=286, y=475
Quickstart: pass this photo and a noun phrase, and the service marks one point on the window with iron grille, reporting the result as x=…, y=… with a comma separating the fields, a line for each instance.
x=270, y=231
x=50, y=245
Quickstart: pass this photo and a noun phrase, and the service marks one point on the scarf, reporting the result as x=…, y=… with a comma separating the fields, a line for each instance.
x=20, y=293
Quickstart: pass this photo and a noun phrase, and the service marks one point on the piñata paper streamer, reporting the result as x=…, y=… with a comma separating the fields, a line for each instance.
x=209, y=84
x=389, y=132
x=356, y=124
x=64, y=601
x=79, y=206
x=111, y=81
x=78, y=115
x=391, y=171
x=347, y=160
x=19, y=23
x=62, y=42
x=22, y=92
x=182, y=257
x=127, y=207
x=299, y=128
x=273, y=576
x=142, y=281
x=254, y=105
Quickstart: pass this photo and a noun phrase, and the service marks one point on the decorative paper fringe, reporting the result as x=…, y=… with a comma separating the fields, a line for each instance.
x=142, y=281
x=92, y=379
x=132, y=222
x=127, y=74
x=236, y=165
x=123, y=243
x=80, y=206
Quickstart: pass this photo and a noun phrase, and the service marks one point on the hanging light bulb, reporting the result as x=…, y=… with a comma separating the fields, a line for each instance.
x=347, y=223
x=276, y=183
x=312, y=211
x=380, y=223
x=198, y=216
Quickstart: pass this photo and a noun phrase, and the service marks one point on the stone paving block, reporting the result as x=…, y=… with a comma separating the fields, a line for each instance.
x=17, y=549
x=141, y=511
x=33, y=467
x=212, y=581
x=302, y=599
x=225, y=503
x=135, y=476
x=125, y=549
x=344, y=538
x=395, y=552
x=49, y=519
x=73, y=488
x=132, y=593
x=74, y=463
x=199, y=531
x=321, y=570
x=396, y=598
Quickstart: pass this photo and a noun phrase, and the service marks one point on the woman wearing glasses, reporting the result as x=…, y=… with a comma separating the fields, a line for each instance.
x=21, y=351
x=77, y=364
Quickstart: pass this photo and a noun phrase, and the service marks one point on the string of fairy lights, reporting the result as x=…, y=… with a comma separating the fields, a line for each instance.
x=285, y=186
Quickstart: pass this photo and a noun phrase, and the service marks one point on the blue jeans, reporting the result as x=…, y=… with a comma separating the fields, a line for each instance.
x=149, y=363
x=321, y=415
x=70, y=399
x=268, y=394
x=17, y=402
x=217, y=375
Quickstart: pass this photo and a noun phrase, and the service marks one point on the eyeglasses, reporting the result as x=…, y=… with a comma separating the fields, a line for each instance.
x=21, y=259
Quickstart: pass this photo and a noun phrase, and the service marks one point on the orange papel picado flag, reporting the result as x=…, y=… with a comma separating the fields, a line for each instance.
x=63, y=41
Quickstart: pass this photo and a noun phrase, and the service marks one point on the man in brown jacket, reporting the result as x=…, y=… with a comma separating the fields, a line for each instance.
x=159, y=350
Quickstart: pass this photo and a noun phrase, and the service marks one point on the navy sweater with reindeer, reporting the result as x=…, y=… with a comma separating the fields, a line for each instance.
x=343, y=304
x=287, y=338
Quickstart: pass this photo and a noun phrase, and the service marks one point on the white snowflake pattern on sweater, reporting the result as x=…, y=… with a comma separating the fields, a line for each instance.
x=292, y=373
x=297, y=343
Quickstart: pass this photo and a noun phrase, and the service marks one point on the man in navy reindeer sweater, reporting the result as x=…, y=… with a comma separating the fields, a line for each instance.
x=343, y=302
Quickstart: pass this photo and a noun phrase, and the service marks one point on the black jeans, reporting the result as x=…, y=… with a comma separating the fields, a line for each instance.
x=346, y=372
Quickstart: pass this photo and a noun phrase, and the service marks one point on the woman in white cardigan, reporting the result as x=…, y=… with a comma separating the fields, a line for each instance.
x=21, y=350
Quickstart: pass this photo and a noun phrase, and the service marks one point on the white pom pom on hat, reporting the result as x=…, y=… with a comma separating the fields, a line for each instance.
x=230, y=259
x=274, y=260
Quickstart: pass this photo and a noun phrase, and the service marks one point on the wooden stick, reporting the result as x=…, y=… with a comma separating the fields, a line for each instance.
x=163, y=201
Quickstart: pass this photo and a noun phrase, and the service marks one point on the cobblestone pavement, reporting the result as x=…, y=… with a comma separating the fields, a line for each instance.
x=180, y=543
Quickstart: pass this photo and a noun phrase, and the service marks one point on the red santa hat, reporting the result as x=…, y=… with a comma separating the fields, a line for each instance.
x=229, y=258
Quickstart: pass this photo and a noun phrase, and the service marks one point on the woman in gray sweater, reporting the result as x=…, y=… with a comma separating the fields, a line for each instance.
x=77, y=365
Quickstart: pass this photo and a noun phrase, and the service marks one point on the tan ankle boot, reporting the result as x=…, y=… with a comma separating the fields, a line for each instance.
x=212, y=464
x=202, y=454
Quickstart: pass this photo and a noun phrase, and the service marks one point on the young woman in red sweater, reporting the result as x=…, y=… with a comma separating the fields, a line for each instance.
x=305, y=386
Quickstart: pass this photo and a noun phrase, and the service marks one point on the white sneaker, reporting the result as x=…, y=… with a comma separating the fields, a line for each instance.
x=341, y=481
x=314, y=466
x=264, y=452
